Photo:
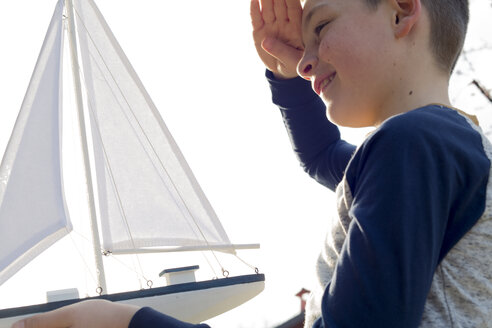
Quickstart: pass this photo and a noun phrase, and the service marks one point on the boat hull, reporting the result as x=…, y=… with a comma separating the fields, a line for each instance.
x=192, y=302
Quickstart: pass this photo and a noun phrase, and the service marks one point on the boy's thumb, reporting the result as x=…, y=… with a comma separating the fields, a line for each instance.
x=53, y=319
x=285, y=53
x=19, y=324
x=269, y=44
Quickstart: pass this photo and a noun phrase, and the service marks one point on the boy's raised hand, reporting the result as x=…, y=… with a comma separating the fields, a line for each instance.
x=277, y=35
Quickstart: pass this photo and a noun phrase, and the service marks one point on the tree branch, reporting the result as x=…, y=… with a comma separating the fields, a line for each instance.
x=482, y=89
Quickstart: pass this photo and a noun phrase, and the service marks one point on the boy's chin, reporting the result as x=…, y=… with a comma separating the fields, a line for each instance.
x=347, y=118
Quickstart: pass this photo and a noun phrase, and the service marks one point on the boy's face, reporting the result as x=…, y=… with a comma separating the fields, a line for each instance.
x=348, y=58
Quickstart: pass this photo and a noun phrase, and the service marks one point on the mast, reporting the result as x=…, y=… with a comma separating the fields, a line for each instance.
x=101, y=277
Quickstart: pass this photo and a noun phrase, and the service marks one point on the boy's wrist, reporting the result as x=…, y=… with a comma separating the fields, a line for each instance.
x=282, y=77
x=291, y=92
x=277, y=76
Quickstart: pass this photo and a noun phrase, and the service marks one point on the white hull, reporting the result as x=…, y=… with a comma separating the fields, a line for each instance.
x=191, y=302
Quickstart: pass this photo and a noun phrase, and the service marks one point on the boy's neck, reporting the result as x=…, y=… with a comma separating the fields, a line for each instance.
x=430, y=86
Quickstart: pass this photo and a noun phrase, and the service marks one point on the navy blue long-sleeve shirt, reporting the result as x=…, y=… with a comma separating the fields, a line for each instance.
x=149, y=318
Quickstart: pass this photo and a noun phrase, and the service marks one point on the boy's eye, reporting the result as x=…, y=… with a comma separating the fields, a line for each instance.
x=319, y=28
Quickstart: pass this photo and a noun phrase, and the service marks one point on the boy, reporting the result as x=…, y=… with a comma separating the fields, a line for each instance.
x=412, y=242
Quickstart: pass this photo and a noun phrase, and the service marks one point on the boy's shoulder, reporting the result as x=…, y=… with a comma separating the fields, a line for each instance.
x=427, y=118
x=424, y=137
x=430, y=125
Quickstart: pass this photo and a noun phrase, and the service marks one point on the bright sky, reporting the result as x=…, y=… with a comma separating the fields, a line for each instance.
x=201, y=69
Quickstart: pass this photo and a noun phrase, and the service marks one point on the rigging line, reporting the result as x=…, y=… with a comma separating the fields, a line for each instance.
x=148, y=140
x=74, y=231
x=113, y=257
x=139, y=274
x=130, y=268
x=108, y=165
x=112, y=179
x=135, y=132
x=94, y=280
x=99, y=134
x=246, y=263
x=209, y=264
x=91, y=106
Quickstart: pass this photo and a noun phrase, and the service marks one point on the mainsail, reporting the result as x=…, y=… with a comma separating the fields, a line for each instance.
x=32, y=205
x=148, y=196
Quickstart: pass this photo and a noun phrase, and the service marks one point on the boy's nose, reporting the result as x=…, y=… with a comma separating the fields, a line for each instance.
x=306, y=66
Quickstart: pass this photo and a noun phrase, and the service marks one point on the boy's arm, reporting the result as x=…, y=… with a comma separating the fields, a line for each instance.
x=103, y=314
x=386, y=265
x=91, y=313
x=277, y=37
x=315, y=140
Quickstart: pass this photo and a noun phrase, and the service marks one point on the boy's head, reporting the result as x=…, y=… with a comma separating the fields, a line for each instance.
x=372, y=59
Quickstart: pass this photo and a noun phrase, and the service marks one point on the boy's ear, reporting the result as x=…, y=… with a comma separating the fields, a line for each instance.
x=405, y=16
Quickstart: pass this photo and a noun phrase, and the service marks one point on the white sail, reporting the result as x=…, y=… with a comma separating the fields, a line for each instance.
x=148, y=196
x=32, y=206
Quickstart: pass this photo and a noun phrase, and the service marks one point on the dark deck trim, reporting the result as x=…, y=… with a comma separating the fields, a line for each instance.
x=179, y=288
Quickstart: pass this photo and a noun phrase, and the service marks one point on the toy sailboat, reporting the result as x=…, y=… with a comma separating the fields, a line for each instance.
x=142, y=195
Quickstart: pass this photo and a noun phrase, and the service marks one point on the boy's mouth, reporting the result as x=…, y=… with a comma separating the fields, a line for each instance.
x=320, y=84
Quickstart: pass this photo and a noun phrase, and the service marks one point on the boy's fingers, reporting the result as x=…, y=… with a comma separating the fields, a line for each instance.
x=53, y=319
x=267, y=11
x=280, y=9
x=294, y=11
x=256, y=18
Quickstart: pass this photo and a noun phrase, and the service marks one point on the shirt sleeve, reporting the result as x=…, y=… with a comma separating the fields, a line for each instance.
x=315, y=140
x=406, y=186
x=147, y=317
